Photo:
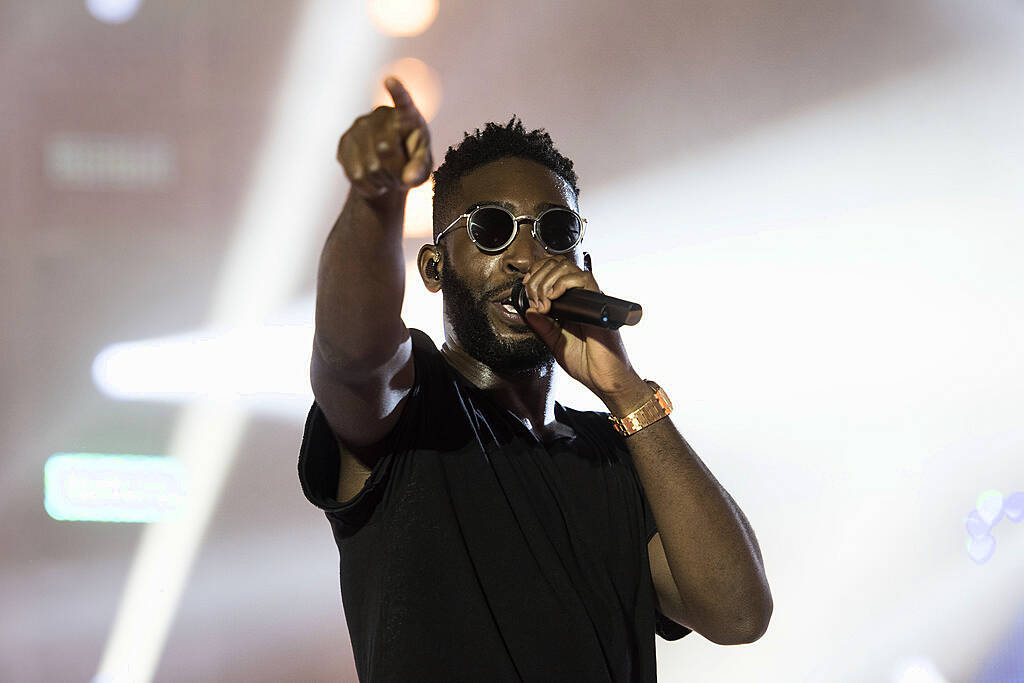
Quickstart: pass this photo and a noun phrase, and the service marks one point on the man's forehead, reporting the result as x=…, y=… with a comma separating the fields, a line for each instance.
x=519, y=185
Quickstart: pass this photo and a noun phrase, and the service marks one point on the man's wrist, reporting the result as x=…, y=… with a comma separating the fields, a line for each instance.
x=657, y=407
x=631, y=396
x=390, y=203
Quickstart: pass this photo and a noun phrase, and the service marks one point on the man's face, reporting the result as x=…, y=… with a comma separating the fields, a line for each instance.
x=474, y=282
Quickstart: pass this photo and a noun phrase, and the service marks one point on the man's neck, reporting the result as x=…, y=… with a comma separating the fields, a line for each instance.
x=528, y=396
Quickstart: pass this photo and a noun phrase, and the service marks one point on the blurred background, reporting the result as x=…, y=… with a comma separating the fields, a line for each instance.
x=819, y=204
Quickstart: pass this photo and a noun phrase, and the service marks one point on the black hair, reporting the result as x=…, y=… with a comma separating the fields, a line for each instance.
x=494, y=142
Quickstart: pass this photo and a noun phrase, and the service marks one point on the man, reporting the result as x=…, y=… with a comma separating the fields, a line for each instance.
x=486, y=533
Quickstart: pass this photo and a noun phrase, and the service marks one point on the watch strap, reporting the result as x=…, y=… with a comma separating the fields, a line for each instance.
x=657, y=407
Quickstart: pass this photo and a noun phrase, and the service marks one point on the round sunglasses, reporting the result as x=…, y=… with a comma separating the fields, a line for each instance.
x=493, y=228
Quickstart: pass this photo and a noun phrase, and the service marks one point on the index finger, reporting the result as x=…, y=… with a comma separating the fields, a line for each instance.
x=399, y=95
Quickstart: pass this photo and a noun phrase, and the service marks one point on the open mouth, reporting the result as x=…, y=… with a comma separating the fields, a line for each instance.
x=505, y=304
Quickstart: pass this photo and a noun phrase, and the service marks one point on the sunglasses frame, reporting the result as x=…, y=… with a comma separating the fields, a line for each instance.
x=516, y=220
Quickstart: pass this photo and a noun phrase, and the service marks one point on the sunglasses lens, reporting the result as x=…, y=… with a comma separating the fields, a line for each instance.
x=560, y=229
x=491, y=228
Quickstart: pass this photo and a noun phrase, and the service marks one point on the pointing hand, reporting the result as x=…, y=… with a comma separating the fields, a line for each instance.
x=388, y=150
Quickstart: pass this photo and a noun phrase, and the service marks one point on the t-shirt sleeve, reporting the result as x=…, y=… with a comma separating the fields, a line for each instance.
x=320, y=461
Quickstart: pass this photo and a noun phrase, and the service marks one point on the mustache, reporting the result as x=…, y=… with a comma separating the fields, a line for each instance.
x=491, y=293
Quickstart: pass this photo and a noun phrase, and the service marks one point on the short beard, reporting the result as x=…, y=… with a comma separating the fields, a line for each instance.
x=467, y=314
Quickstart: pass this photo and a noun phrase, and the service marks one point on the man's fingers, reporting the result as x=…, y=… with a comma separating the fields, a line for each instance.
x=417, y=169
x=413, y=142
x=371, y=162
x=348, y=156
x=363, y=169
x=399, y=95
x=544, y=327
x=388, y=149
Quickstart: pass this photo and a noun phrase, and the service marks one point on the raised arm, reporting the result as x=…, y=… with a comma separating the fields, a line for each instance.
x=361, y=366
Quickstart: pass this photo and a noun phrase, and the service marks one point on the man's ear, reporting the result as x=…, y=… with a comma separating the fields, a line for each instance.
x=429, y=264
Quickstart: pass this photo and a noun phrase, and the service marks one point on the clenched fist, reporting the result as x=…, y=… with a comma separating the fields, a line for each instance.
x=387, y=150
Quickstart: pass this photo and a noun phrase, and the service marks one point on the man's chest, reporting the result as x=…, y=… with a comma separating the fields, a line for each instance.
x=443, y=505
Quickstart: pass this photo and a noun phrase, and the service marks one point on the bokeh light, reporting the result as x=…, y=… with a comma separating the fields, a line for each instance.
x=402, y=17
x=419, y=211
x=990, y=506
x=113, y=11
x=916, y=669
x=420, y=80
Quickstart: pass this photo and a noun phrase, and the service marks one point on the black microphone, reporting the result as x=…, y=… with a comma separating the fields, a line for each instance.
x=580, y=305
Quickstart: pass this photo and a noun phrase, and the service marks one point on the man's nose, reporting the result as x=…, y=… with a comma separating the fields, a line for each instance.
x=524, y=250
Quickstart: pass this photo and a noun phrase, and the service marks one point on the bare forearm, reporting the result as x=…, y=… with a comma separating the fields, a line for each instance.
x=711, y=549
x=361, y=283
x=361, y=277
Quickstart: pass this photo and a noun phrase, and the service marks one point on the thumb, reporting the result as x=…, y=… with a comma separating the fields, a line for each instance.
x=418, y=168
x=544, y=327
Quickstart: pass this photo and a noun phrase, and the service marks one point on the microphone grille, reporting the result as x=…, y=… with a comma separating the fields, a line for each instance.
x=519, y=299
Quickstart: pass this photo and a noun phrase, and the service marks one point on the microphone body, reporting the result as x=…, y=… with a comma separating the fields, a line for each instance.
x=580, y=305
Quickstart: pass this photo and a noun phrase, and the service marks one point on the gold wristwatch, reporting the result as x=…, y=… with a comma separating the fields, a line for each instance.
x=658, y=407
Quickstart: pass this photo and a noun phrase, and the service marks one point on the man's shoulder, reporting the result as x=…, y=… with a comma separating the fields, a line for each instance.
x=592, y=425
x=589, y=417
x=422, y=341
x=428, y=362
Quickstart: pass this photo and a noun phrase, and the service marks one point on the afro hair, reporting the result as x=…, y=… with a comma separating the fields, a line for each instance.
x=494, y=142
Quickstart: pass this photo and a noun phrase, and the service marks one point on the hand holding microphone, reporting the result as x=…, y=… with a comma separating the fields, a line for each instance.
x=583, y=306
x=563, y=305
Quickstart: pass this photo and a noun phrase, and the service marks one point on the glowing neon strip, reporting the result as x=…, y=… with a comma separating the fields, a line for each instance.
x=100, y=487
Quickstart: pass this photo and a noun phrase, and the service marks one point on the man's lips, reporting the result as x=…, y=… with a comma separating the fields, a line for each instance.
x=504, y=309
x=507, y=314
x=505, y=298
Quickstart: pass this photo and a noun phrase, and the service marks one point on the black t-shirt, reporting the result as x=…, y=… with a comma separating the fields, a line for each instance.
x=476, y=552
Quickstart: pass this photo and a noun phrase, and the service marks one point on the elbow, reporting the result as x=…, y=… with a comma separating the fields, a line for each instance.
x=740, y=634
x=745, y=628
x=754, y=629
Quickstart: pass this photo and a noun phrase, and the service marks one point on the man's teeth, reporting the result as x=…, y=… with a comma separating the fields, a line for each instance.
x=510, y=308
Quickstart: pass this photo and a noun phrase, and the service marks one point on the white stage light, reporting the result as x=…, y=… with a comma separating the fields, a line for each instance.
x=113, y=11
x=230, y=363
